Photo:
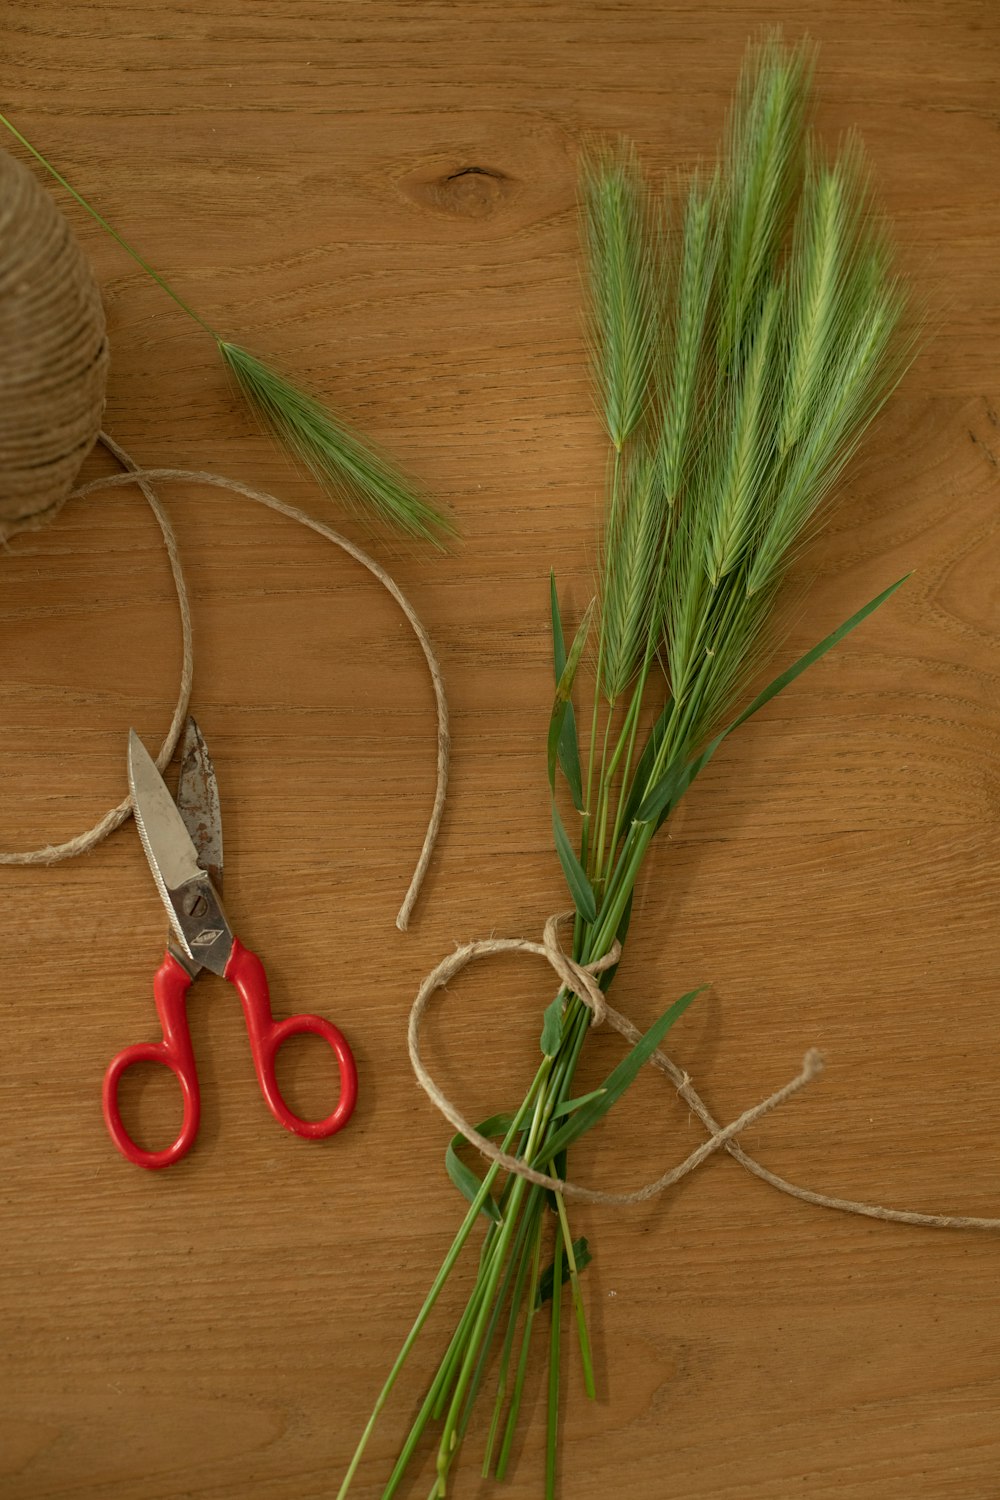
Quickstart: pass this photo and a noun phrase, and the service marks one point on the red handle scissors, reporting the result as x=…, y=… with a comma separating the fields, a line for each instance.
x=183, y=843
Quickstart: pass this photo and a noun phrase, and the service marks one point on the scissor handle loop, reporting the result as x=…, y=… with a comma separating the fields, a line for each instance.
x=170, y=989
x=246, y=972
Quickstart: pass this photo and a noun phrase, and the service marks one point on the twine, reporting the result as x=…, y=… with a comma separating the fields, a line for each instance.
x=581, y=980
x=51, y=853
x=53, y=353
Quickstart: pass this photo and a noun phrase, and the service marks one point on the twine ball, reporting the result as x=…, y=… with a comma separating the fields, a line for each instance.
x=53, y=353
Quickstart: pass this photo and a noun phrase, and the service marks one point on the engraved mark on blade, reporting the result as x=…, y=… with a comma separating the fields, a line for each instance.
x=206, y=937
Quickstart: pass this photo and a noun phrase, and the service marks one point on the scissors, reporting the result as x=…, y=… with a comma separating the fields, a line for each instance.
x=183, y=843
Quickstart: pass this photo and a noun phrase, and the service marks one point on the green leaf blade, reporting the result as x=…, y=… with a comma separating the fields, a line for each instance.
x=546, y=1282
x=562, y=705
x=645, y=763
x=576, y=877
x=463, y=1177
x=552, y=1025
x=568, y=741
x=676, y=780
x=618, y=1080
x=570, y=1106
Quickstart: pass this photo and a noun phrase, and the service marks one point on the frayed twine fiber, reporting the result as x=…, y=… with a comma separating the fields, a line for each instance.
x=581, y=980
x=53, y=354
x=50, y=854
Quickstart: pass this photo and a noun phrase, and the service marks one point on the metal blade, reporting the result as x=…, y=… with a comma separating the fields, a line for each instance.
x=187, y=892
x=198, y=801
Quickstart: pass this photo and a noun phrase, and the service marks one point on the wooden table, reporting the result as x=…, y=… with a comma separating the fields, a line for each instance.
x=382, y=196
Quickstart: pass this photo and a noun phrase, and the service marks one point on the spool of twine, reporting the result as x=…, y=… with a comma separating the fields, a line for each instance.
x=53, y=353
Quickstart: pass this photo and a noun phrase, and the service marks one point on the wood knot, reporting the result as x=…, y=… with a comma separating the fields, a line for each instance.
x=471, y=192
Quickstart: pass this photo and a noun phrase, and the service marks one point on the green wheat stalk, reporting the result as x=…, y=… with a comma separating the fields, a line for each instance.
x=738, y=362
x=344, y=465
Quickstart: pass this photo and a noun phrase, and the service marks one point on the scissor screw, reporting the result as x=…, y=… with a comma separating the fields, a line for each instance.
x=195, y=906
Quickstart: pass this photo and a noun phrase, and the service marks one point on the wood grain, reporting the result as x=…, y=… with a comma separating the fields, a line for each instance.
x=382, y=195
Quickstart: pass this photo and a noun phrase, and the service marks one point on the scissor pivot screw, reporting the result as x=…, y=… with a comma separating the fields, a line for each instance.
x=195, y=905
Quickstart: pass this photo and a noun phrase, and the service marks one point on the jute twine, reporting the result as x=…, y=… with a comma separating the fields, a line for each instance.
x=50, y=854
x=53, y=353
x=581, y=980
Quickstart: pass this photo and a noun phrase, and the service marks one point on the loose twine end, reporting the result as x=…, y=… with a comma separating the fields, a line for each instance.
x=813, y=1063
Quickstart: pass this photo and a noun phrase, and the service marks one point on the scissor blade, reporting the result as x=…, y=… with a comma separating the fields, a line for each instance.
x=198, y=801
x=191, y=900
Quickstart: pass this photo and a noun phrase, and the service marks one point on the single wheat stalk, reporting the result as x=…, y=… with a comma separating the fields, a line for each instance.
x=346, y=467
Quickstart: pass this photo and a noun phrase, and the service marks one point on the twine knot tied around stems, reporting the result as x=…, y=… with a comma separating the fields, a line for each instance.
x=581, y=980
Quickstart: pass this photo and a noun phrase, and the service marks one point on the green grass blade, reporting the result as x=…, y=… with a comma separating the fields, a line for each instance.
x=522, y=1361
x=676, y=781
x=552, y=1022
x=337, y=458
x=570, y=1106
x=512, y=1279
x=447, y=1265
x=580, y=887
x=624, y=923
x=582, y=1256
x=645, y=763
x=555, y=1351
x=569, y=1245
x=569, y=744
x=467, y=1182
x=562, y=704
x=528, y=1257
x=617, y=1081
x=436, y=1395
x=440, y=1392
